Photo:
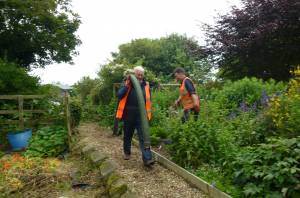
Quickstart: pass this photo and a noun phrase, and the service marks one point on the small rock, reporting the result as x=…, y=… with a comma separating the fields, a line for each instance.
x=117, y=189
x=87, y=149
x=107, y=167
x=97, y=158
x=112, y=178
x=129, y=194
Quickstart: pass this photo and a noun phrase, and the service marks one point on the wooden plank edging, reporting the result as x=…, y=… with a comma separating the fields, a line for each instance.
x=192, y=179
x=189, y=177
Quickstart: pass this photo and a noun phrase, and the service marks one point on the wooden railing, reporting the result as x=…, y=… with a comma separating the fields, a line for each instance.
x=20, y=111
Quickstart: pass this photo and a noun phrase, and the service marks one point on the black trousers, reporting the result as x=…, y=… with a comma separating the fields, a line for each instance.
x=186, y=115
x=129, y=127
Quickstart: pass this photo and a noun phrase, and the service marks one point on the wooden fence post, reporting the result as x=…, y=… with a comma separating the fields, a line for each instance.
x=21, y=112
x=68, y=117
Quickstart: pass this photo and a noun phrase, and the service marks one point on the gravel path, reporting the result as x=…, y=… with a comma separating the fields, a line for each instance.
x=157, y=182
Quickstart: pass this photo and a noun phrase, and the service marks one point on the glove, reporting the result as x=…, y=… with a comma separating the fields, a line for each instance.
x=128, y=82
x=176, y=103
x=197, y=108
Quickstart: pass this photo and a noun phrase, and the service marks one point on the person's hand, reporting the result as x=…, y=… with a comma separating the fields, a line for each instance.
x=197, y=108
x=128, y=82
x=176, y=103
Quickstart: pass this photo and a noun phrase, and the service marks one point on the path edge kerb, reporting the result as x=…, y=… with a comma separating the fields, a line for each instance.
x=114, y=185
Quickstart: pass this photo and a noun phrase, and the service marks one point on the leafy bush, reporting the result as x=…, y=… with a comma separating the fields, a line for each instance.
x=16, y=80
x=107, y=112
x=161, y=102
x=47, y=142
x=193, y=143
x=75, y=111
x=165, y=97
x=283, y=113
x=248, y=128
x=269, y=170
x=216, y=177
x=246, y=91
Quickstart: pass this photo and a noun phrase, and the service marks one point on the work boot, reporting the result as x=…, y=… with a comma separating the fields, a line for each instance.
x=149, y=163
x=126, y=157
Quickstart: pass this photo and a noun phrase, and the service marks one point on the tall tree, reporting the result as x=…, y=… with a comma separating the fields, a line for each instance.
x=37, y=33
x=84, y=87
x=260, y=39
x=162, y=55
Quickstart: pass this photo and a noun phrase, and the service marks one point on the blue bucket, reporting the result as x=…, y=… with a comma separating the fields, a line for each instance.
x=19, y=141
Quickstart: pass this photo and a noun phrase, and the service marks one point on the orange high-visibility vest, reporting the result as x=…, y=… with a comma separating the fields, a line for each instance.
x=123, y=101
x=185, y=98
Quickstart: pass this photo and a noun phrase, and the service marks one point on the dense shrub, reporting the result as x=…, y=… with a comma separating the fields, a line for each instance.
x=16, y=80
x=269, y=170
x=193, y=143
x=47, y=142
x=232, y=135
x=247, y=93
x=283, y=113
x=75, y=111
x=106, y=113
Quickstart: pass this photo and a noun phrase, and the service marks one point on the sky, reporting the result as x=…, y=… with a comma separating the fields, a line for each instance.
x=106, y=24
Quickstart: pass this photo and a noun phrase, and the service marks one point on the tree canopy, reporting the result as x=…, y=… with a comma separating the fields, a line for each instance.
x=15, y=80
x=261, y=39
x=37, y=33
x=162, y=55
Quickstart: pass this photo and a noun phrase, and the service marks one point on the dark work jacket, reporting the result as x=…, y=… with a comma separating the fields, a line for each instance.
x=131, y=111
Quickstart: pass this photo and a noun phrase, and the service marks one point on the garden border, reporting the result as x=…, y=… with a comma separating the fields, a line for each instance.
x=192, y=179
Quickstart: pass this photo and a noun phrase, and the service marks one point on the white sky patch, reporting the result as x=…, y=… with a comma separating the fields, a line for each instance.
x=108, y=23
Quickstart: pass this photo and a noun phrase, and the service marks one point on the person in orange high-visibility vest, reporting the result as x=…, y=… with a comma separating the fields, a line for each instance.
x=128, y=111
x=188, y=97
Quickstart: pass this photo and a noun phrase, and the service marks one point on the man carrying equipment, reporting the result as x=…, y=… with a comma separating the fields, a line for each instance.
x=188, y=97
x=128, y=111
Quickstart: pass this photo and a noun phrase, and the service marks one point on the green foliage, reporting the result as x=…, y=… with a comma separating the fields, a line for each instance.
x=216, y=177
x=106, y=113
x=162, y=55
x=75, y=111
x=47, y=142
x=194, y=143
x=229, y=145
x=15, y=80
x=84, y=87
x=249, y=129
x=283, y=113
x=109, y=74
x=165, y=97
x=89, y=111
x=248, y=91
x=38, y=32
x=270, y=169
x=161, y=101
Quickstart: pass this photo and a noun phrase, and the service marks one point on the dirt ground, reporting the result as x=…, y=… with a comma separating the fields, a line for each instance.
x=157, y=182
x=68, y=177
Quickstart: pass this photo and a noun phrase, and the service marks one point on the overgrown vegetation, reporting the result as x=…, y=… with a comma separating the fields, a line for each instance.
x=47, y=142
x=247, y=135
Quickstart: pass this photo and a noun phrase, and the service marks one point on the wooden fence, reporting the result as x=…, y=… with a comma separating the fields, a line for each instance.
x=20, y=111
